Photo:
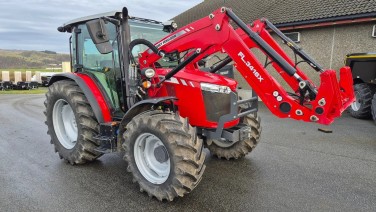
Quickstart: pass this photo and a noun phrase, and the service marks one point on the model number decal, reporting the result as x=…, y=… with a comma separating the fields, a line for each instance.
x=250, y=66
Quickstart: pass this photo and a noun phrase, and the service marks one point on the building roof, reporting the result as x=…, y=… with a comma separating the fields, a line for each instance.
x=285, y=13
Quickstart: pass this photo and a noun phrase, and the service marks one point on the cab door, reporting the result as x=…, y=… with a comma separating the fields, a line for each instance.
x=103, y=68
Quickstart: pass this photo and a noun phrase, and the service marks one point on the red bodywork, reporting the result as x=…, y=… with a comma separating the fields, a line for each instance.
x=215, y=34
x=106, y=113
x=185, y=85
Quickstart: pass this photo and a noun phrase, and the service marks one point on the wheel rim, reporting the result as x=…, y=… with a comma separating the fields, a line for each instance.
x=64, y=123
x=152, y=158
x=223, y=143
x=355, y=106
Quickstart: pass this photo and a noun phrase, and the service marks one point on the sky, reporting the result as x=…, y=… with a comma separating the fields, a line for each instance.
x=32, y=24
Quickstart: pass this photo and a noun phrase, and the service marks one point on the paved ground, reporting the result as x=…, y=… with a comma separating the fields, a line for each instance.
x=294, y=168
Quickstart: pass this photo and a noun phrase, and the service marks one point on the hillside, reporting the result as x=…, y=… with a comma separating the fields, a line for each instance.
x=13, y=59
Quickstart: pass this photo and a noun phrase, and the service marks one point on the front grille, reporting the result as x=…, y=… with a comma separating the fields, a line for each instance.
x=216, y=105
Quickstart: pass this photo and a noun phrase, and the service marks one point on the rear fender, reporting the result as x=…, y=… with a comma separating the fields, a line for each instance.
x=91, y=91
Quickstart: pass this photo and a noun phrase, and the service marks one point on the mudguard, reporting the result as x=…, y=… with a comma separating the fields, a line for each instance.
x=137, y=109
x=143, y=105
x=91, y=91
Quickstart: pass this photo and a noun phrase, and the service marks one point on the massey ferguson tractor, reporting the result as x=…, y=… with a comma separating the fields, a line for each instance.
x=138, y=88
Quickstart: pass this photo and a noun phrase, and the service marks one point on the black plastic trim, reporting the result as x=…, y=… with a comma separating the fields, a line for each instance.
x=134, y=110
x=137, y=109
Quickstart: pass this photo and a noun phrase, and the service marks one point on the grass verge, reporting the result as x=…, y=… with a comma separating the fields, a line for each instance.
x=41, y=90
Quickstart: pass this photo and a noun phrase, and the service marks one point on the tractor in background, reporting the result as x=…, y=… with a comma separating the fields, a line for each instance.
x=363, y=67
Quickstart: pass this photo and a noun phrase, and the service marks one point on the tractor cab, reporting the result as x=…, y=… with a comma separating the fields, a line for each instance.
x=98, y=48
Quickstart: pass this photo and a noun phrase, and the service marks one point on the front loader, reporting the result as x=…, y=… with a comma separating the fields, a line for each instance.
x=161, y=109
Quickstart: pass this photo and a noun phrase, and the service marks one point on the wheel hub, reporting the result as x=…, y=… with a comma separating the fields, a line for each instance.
x=355, y=106
x=161, y=154
x=152, y=158
x=64, y=123
x=223, y=143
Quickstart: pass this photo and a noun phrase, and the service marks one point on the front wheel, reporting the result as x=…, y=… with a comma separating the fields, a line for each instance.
x=228, y=150
x=164, y=154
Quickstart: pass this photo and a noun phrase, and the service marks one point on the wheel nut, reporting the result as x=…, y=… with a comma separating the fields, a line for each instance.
x=322, y=102
x=314, y=118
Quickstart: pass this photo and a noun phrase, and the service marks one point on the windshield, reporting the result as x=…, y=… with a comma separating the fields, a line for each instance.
x=150, y=32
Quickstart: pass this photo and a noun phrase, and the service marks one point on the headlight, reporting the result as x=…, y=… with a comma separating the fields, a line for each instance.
x=215, y=88
x=170, y=26
x=174, y=25
x=148, y=72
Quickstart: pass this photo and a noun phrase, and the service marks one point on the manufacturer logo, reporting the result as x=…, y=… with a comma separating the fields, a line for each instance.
x=171, y=38
x=250, y=66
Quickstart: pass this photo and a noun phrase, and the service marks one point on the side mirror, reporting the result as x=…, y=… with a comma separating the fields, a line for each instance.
x=99, y=34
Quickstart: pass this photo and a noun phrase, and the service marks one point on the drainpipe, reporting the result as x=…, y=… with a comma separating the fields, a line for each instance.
x=333, y=43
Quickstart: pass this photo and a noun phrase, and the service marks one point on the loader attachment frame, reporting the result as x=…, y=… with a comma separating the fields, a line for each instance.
x=215, y=34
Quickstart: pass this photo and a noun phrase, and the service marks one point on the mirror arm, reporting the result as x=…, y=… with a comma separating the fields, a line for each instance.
x=112, y=20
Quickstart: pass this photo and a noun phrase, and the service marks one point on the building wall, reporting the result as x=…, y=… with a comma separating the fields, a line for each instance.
x=328, y=46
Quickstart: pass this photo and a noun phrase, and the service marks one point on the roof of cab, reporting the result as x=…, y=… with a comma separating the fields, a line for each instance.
x=90, y=17
x=68, y=25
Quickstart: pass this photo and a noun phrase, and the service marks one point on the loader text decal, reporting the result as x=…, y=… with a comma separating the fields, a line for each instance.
x=250, y=66
x=172, y=37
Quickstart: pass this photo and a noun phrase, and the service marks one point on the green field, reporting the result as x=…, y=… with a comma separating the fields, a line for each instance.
x=40, y=90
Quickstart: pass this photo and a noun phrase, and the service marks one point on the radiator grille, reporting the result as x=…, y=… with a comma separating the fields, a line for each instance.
x=216, y=105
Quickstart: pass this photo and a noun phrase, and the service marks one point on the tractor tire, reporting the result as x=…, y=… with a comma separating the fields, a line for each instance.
x=164, y=154
x=241, y=148
x=373, y=108
x=71, y=123
x=361, y=108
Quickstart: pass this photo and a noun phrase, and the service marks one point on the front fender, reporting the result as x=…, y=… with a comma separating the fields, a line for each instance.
x=91, y=92
x=136, y=109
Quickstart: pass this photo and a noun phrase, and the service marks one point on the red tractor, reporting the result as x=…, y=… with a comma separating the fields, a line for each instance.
x=159, y=107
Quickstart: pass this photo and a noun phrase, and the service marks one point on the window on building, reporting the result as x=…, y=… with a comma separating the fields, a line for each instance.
x=374, y=31
x=294, y=36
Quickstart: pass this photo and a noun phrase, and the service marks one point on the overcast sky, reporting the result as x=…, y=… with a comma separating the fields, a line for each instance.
x=31, y=24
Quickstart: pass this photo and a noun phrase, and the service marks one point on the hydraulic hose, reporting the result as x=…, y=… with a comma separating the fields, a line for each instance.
x=147, y=43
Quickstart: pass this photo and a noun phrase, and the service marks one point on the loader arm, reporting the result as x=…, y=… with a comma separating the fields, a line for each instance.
x=215, y=34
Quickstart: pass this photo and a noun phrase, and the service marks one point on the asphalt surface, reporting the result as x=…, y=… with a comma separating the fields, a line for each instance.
x=294, y=168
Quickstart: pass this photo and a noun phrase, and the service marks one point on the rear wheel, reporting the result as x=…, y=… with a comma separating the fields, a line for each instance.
x=373, y=108
x=164, y=154
x=228, y=150
x=71, y=123
x=361, y=108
